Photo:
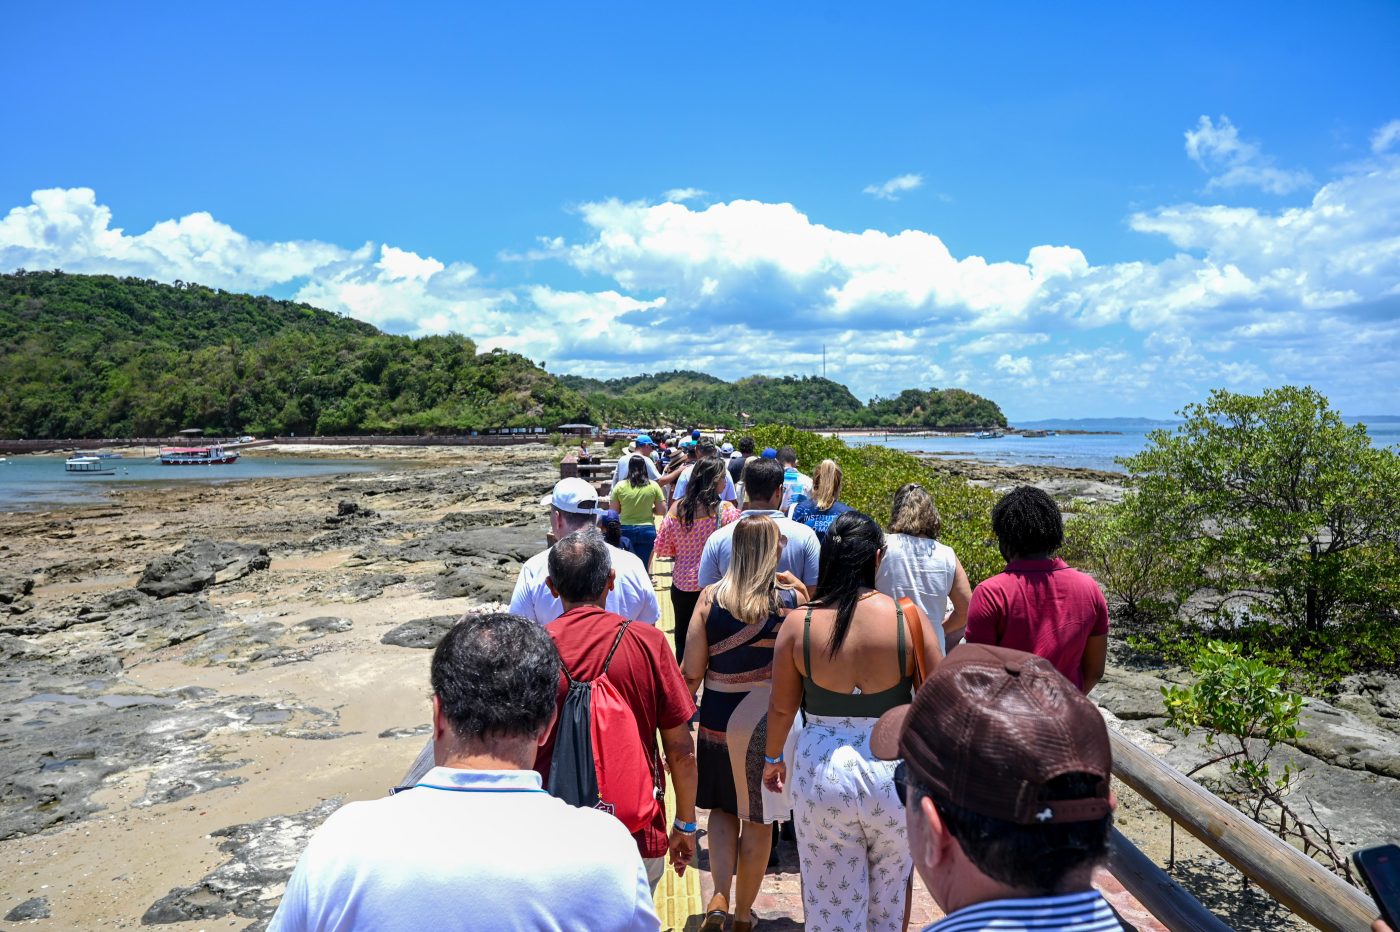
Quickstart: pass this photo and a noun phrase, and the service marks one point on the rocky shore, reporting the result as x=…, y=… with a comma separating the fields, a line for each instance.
x=194, y=677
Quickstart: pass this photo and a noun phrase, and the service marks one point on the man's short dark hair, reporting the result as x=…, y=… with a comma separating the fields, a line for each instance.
x=762, y=478
x=787, y=456
x=1038, y=858
x=496, y=675
x=746, y=445
x=1027, y=522
x=579, y=566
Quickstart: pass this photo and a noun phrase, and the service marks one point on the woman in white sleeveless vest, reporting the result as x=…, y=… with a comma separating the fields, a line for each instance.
x=917, y=566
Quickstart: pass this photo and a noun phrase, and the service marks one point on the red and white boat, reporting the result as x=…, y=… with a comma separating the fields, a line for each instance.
x=197, y=456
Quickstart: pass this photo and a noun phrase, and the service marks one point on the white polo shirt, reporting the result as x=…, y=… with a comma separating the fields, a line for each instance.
x=632, y=595
x=620, y=473
x=468, y=850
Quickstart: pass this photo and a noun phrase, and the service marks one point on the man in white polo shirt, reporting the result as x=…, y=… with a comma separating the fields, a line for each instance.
x=476, y=843
x=643, y=447
x=574, y=506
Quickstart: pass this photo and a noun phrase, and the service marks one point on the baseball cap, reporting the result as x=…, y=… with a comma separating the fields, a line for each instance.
x=990, y=727
x=695, y=434
x=644, y=440
x=573, y=495
x=769, y=453
x=726, y=448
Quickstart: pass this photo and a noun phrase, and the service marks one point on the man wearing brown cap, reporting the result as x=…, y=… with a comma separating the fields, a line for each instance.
x=1005, y=780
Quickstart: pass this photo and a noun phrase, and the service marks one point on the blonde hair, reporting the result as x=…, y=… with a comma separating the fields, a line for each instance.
x=826, y=484
x=749, y=589
x=915, y=513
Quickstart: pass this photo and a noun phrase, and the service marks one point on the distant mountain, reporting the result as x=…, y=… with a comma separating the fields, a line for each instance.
x=1097, y=423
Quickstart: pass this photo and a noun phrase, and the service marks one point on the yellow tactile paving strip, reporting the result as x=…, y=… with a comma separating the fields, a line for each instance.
x=677, y=898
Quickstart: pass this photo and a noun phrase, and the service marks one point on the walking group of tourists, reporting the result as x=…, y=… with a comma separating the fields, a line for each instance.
x=850, y=682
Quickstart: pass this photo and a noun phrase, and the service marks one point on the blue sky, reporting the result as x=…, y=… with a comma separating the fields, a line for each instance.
x=1103, y=210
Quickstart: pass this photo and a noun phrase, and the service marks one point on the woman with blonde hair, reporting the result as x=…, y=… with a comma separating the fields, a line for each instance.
x=730, y=649
x=819, y=511
x=919, y=567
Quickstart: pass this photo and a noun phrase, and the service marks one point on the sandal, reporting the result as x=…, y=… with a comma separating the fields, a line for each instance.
x=715, y=914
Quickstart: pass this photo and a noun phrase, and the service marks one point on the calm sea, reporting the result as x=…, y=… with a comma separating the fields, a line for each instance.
x=33, y=482
x=1085, y=451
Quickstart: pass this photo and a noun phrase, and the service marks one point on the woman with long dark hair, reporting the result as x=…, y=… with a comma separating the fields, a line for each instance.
x=849, y=653
x=689, y=523
x=636, y=501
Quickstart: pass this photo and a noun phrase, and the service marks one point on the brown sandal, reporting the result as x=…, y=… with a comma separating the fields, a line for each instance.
x=716, y=912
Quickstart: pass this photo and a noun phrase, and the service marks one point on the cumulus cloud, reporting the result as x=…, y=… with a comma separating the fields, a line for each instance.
x=892, y=189
x=1249, y=296
x=1384, y=138
x=1233, y=162
x=680, y=195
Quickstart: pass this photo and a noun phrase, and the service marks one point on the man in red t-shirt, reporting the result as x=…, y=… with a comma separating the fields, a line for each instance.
x=644, y=671
x=1039, y=604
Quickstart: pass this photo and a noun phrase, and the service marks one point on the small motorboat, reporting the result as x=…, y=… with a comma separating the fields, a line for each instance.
x=88, y=466
x=198, y=456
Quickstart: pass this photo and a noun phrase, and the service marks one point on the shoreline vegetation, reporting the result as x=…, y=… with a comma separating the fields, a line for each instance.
x=86, y=356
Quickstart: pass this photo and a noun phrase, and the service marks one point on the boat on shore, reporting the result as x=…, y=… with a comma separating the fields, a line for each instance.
x=988, y=435
x=88, y=466
x=197, y=456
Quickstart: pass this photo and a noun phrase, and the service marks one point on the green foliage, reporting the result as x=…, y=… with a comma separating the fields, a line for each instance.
x=1119, y=546
x=872, y=474
x=1238, y=700
x=685, y=397
x=95, y=356
x=1275, y=505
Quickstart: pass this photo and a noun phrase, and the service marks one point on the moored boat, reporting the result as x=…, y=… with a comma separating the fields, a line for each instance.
x=88, y=466
x=197, y=456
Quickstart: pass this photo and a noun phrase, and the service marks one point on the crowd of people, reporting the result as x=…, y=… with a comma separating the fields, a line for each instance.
x=850, y=682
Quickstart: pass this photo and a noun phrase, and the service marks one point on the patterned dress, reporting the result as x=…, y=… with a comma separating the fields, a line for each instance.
x=734, y=714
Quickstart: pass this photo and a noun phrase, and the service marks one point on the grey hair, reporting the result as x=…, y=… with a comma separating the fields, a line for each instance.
x=575, y=521
x=579, y=566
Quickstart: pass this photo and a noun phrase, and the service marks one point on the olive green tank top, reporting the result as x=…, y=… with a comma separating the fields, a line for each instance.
x=820, y=701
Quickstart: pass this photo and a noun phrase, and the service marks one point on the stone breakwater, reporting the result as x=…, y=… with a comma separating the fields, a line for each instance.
x=194, y=678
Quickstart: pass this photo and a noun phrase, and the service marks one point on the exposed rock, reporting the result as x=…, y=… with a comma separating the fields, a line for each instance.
x=499, y=545
x=14, y=588
x=199, y=565
x=1341, y=737
x=349, y=511
x=262, y=855
x=33, y=908
x=321, y=626
x=368, y=587
x=476, y=579
x=1130, y=694
x=421, y=632
x=416, y=731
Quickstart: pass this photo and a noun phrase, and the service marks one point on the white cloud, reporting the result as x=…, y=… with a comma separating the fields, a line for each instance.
x=1233, y=162
x=399, y=263
x=1003, y=342
x=892, y=189
x=1013, y=365
x=679, y=195
x=1385, y=137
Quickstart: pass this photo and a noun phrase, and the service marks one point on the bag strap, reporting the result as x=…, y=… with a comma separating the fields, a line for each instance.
x=916, y=635
x=807, y=641
x=618, y=640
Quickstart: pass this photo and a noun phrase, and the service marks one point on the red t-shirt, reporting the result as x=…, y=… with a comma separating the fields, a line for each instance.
x=1042, y=607
x=645, y=672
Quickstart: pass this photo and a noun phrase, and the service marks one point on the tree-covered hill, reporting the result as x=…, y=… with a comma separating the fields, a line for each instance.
x=98, y=356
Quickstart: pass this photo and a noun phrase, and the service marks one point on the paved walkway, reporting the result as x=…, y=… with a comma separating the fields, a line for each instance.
x=680, y=901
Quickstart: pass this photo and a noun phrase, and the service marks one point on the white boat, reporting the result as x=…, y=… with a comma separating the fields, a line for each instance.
x=88, y=466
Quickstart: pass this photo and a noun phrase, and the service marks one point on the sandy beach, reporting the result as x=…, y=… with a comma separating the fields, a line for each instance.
x=182, y=715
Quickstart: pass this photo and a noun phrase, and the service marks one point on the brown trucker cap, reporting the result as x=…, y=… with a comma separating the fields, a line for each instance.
x=990, y=727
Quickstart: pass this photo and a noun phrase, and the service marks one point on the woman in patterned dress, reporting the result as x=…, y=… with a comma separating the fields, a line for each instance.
x=689, y=523
x=731, y=649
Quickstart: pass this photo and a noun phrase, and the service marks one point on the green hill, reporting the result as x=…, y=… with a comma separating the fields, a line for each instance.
x=98, y=356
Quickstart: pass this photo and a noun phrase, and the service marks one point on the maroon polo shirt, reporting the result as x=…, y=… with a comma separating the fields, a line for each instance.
x=1043, y=607
x=645, y=672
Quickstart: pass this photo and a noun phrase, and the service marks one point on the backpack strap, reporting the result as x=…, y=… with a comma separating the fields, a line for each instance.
x=608, y=662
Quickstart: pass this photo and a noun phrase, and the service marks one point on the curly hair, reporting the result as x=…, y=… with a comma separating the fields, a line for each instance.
x=496, y=676
x=1027, y=523
x=915, y=513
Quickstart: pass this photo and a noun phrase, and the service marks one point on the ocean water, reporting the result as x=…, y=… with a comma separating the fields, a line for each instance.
x=1083, y=451
x=35, y=482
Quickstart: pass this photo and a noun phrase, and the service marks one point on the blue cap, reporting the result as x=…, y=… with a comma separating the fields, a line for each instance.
x=644, y=440
x=769, y=453
x=695, y=434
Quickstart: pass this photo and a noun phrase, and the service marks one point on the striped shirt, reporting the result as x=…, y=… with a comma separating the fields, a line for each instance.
x=1071, y=912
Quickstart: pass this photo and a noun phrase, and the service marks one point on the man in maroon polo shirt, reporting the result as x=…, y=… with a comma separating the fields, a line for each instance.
x=1039, y=604
x=644, y=671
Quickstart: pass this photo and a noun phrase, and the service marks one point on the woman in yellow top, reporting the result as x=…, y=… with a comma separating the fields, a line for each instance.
x=636, y=500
